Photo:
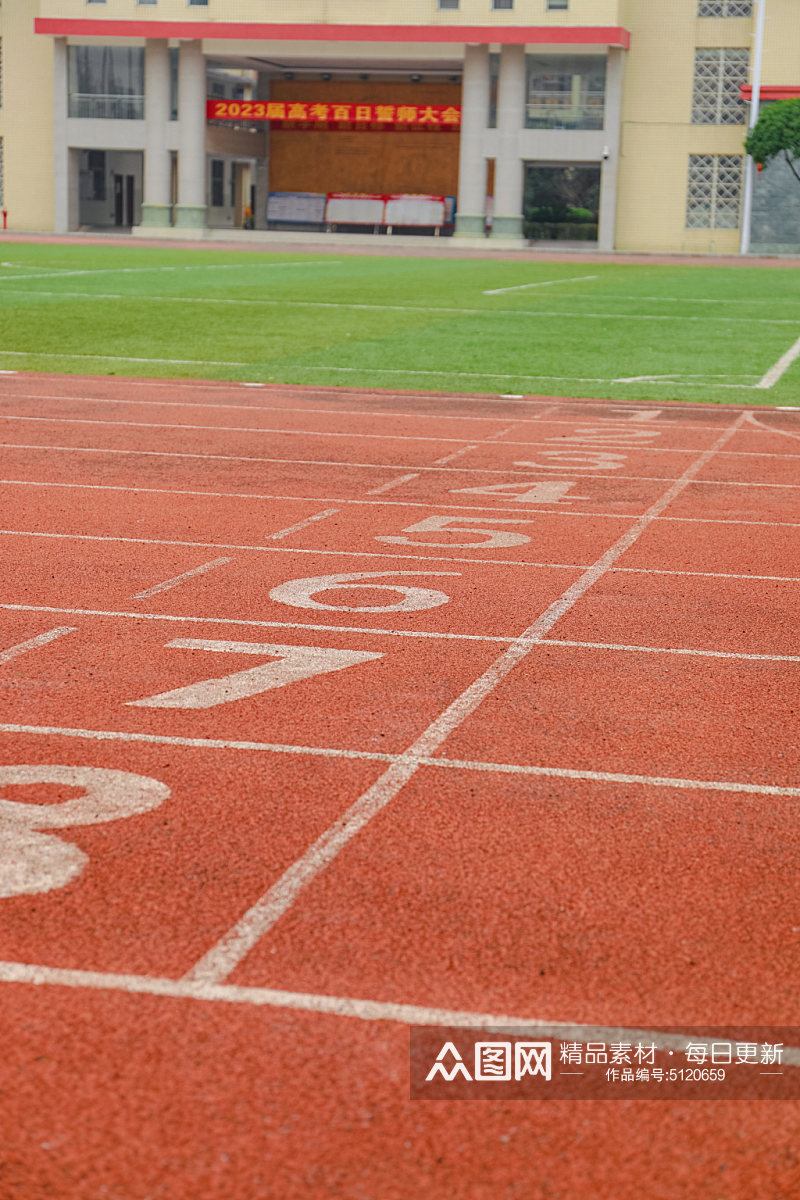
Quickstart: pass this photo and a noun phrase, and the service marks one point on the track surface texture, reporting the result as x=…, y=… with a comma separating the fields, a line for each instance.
x=329, y=713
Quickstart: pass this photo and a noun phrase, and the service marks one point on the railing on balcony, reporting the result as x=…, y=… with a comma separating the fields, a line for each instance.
x=559, y=111
x=110, y=107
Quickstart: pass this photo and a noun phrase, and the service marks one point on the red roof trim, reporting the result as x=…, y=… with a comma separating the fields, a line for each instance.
x=601, y=35
x=769, y=92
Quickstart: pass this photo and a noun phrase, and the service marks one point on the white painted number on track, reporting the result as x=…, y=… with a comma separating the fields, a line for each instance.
x=577, y=459
x=300, y=593
x=531, y=491
x=294, y=663
x=32, y=862
x=489, y=537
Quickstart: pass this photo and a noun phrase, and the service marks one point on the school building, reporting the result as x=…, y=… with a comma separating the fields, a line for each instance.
x=617, y=122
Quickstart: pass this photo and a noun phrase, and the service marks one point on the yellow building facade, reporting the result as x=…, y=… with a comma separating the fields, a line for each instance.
x=105, y=120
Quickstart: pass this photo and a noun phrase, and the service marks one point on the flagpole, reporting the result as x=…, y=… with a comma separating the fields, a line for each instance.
x=755, y=99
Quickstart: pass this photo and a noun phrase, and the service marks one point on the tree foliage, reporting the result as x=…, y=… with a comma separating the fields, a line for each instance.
x=777, y=132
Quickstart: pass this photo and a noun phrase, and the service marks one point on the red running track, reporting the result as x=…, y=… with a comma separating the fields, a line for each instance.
x=327, y=714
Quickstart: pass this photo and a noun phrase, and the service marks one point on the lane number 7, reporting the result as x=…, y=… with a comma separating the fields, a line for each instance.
x=291, y=664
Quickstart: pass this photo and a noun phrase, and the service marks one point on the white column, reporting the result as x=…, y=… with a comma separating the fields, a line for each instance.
x=191, y=207
x=61, y=165
x=470, y=211
x=508, y=181
x=155, y=206
x=609, y=167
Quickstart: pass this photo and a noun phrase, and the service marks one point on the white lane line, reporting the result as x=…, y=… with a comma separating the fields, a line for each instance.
x=709, y=574
x=771, y=429
x=520, y=287
x=689, y=653
x=435, y=635
x=178, y=579
x=529, y=508
x=348, y=1007
x=428, y=558
x=188, y=385
x=320, y=516
x=387, y=487
x=401, y=764
x=441, y=462
x=780, y=367
x=553, y=471
x=250, y=622
x=234, y=945
x=575, y=445
x=33, y=643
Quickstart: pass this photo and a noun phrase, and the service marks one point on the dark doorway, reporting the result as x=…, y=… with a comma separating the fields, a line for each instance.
x=561, y=202
x=123, y=199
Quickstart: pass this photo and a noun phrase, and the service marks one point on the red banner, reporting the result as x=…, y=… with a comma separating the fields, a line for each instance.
x=330, y=114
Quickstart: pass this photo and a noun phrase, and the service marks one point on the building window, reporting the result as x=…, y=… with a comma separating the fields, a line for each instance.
x=204, y=3
x=498, y=4
x=449, y=3
x=714, y=192
x=565, y=91
x=557, y=5
x=217, y=183
x=718, y=77
x=106, y=81
x=173, y=83
x=725, y=8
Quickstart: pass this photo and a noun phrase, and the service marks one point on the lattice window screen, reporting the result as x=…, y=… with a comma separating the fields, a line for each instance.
x=715, y=191
x=718, y=76
x=725, y=8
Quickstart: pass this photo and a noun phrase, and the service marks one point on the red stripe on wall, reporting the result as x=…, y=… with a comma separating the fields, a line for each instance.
x=771, y=93
x=561, y=35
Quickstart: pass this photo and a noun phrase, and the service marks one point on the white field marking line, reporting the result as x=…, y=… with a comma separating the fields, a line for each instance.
x=61, y=273
x=771, y=429
x=125, y=358
x=176, y=617
x=183, y=384
x=320, y=516
x=404, y=762
x=178, y=579
x=346, y=1006
x=428, y=558
x=386, y=487
x=520, y=287
x=558, y=314
x=448, y=458
x=412, y=633
x=780, y=367
x=490, y=375
x=234, y=945
x=33, y=643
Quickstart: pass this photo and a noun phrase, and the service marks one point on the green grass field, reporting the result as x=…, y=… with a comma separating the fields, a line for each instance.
x=569, y=328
